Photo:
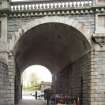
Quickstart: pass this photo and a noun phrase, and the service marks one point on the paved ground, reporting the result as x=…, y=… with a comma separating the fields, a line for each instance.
x=32, y=102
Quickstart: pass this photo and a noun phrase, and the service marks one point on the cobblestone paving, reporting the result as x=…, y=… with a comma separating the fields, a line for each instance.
x=32, y=102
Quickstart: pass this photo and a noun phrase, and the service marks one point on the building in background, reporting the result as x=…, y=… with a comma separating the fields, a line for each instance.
x=45, y=85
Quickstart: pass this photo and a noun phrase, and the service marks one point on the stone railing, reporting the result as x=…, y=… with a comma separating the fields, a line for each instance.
x=35, y=6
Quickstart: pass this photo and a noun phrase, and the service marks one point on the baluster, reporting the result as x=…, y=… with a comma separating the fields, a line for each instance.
x=34, y=6
x=31, y=6
x=19, y=7
x=13, y=8
x=62, y=4
x=39, y=6
x=16, y=7
x=48, y=5
x=28, y=7
x=55, y=5
x=65, y=4
x=80, y=3
x=90, y=3
x=59, y=5
x=24, y=7
x=44, y=6
x=68, y=4
x=76, y=3
x=73, y=4
x=51, y=5
x=85, y=3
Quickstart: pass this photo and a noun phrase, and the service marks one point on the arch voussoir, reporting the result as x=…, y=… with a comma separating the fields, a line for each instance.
x=56, y=19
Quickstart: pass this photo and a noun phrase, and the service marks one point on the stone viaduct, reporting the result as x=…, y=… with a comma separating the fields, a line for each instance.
x=66, y=36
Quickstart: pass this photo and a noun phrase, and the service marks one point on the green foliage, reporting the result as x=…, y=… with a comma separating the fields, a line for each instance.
x=34, y=83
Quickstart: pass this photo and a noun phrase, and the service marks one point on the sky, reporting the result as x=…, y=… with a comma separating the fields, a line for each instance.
x=41, y=72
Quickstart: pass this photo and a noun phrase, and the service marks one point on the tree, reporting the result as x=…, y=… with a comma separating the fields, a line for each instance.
x=34, y=81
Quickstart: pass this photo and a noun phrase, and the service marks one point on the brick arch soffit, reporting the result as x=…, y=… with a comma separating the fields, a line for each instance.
x=56, y=19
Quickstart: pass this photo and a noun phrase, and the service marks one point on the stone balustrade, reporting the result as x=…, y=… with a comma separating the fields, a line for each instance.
x=29, y=6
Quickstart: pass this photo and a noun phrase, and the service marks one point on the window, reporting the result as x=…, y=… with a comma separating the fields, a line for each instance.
x=101, y=20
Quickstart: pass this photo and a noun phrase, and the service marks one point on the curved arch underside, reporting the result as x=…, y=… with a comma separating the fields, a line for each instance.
x=54, y=45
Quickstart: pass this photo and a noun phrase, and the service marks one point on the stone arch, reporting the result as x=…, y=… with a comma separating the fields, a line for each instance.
x=79, y=65
x=55, y=19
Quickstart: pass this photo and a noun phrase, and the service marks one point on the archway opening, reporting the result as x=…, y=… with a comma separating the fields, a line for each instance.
x=35, y=78
x=64, y=50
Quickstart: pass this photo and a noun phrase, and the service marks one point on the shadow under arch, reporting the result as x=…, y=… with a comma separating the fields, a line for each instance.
x=59, y=47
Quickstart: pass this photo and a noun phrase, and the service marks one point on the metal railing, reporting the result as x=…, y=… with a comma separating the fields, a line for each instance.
x=32, y=5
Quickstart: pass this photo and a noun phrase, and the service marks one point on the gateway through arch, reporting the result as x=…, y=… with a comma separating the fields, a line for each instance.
x=62, y=49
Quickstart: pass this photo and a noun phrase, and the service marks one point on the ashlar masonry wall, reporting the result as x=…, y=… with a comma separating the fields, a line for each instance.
x=74, y=79
x=98, y=78
x=4, y=83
